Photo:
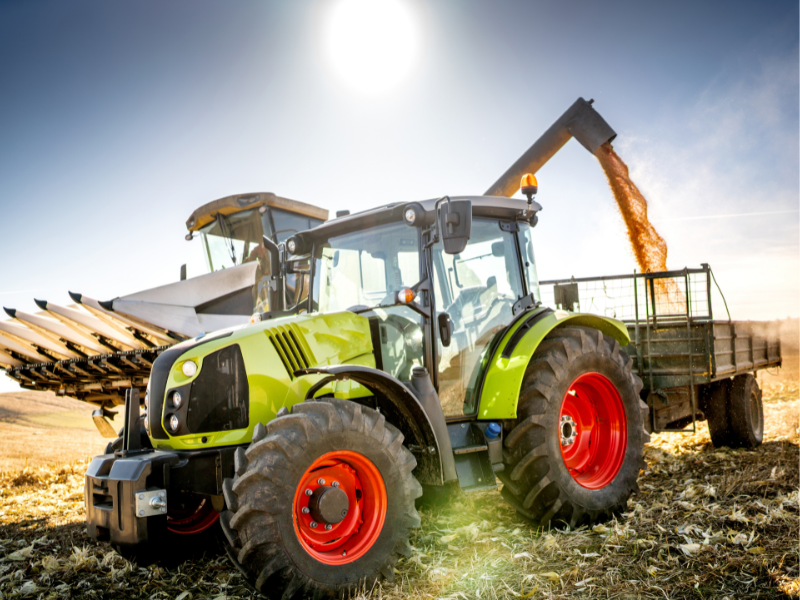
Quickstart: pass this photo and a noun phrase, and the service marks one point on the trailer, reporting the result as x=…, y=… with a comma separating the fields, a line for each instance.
x=694, y=366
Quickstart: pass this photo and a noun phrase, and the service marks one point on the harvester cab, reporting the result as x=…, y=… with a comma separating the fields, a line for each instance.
x=237, y=230
x=421, y=358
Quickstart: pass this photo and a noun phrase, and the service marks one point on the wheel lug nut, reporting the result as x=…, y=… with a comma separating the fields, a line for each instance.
x=305, y=510
x=309, y=492
x=321, y=481
x=335, y=484
x=313, y=524
x=328, y=527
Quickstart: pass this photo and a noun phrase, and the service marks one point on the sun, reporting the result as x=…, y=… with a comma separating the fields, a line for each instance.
x=372, y=45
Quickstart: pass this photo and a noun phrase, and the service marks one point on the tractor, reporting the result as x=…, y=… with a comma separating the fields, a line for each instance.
x=419, y=361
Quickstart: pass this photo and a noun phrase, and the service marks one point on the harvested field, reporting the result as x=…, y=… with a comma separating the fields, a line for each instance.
x=40, y=428
x=708, y=523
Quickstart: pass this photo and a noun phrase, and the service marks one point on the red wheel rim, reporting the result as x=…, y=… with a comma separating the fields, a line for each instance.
x=194, y=519
x=593, y=431
x=343, y=542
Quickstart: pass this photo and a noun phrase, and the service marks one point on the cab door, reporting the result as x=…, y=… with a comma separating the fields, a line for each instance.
x=477, y=289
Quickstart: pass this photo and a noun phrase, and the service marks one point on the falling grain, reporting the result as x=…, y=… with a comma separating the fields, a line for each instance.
x=649, y=248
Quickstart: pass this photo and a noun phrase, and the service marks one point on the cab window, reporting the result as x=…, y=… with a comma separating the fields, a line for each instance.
x=477, y=289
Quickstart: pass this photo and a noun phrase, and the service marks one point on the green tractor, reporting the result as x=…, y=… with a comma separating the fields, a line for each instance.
x=417, y=359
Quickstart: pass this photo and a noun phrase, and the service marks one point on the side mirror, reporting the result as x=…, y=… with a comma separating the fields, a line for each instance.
x=445, y=329
x=455, y=225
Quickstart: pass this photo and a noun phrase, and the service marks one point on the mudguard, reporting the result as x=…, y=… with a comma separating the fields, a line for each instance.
x=403, y=410
x=502, y=381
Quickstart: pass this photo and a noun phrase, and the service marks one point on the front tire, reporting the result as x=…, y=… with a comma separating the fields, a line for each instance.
x=268, y=526
x=574, y=452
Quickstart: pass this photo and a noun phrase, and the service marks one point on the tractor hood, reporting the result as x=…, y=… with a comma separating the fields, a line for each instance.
x=243, y=375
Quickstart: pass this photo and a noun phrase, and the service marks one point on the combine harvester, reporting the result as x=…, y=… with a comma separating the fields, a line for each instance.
x=94, y=350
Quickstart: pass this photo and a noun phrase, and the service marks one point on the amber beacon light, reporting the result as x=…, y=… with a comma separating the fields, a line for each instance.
x=529, y=186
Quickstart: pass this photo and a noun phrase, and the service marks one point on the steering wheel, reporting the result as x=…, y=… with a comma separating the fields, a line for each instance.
x=467, y=295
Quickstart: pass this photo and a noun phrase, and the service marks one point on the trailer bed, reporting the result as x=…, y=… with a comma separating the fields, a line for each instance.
x=678, y=348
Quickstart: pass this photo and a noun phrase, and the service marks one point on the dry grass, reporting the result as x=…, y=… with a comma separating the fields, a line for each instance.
x=708, y=523
x=32, y=424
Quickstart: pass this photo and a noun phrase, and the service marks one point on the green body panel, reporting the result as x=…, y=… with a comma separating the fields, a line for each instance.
x=324, y=339
x=503, y=382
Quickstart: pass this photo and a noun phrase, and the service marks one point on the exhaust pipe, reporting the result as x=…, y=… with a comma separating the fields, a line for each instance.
x=581, y=121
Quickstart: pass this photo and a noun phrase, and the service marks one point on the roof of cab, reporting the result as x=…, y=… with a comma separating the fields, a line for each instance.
x=499, y=207
x=239, y=202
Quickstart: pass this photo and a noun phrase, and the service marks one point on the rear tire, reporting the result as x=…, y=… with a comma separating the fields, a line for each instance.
x=268, y=533
x=746, y=412
x=581, y=374
x=716, y=410
x=735, y=413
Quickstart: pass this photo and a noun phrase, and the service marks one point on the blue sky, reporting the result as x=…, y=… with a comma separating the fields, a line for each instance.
x=118, y=119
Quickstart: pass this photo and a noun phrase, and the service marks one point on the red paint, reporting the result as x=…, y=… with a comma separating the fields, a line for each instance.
x=193, y=520
x=597, y=454
x=358, y=531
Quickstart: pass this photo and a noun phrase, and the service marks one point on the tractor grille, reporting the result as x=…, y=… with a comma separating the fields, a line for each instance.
x=287, y=344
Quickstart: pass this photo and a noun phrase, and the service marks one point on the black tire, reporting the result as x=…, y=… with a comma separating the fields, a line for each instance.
x=536, y=479
x=716, y=410
x=259, y=525
x=745, y=412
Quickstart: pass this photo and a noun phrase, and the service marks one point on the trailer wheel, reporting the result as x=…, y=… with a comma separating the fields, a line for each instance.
x=745, y=412
x=734, y=412
x=575, y=450
x=322, y=501
x=716, y=411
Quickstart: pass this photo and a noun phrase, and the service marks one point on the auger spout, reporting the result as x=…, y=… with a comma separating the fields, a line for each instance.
x=580, y=121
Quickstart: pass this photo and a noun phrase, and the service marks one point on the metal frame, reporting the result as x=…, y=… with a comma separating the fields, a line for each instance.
x=700, y=329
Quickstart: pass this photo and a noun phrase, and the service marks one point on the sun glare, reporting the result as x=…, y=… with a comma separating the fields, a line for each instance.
x=372, y=44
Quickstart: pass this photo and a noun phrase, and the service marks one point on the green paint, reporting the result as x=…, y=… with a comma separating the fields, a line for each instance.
x=503, y=383
x=325, y=339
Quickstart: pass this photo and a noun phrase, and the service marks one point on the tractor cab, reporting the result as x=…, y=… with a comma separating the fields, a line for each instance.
x=437, y=293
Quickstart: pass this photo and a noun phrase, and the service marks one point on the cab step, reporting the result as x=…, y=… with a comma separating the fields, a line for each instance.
x=471, y=454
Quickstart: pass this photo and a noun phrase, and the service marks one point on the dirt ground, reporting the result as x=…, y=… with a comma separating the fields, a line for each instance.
x=40, y=428
x=708, y=523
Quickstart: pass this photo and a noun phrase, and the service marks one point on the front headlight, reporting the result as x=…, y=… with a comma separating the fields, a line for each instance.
x=174, y=423
x=189, y=368
x=176, y=399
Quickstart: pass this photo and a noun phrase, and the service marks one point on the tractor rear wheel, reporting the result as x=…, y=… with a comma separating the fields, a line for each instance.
x=322, y=501
x=574, y=453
